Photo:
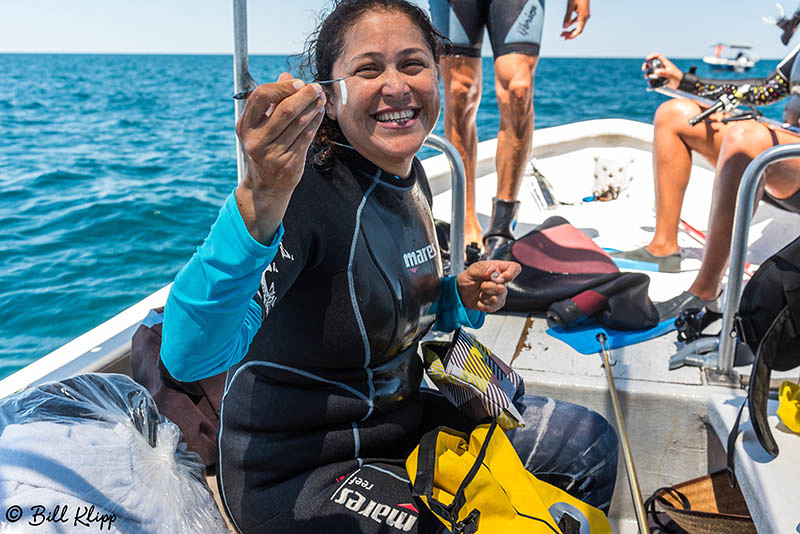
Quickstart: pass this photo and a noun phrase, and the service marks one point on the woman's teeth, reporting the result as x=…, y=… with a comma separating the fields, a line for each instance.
x=396, y=116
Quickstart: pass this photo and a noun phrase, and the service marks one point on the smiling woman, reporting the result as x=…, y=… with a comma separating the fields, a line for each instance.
x=408, y=62
x=394, y=90
x=303, y=292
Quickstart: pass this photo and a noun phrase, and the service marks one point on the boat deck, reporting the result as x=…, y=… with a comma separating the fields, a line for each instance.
x=668, y=413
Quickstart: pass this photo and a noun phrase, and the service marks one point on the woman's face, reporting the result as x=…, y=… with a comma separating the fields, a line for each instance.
x=392, y=90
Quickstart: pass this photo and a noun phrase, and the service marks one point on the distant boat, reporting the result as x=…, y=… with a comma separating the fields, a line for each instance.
x=736, y=60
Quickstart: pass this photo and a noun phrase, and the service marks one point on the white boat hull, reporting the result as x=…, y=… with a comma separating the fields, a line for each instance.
x=735, y=64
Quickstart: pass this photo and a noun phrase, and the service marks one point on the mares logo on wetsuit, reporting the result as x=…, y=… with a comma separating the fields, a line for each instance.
x=413, y=260
x=381, y=513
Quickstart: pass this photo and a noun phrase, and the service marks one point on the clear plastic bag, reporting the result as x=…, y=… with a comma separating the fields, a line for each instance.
x=92, y=453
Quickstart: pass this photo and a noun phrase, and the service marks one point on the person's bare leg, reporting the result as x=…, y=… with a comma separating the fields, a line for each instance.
x=673, y=142
x=462, y=93
x=742, y=143
x=514, y=75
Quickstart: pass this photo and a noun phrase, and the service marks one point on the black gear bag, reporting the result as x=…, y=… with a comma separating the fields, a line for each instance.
x=768, y=321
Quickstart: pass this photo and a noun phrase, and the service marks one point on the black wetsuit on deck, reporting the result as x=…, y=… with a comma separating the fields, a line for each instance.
x=317, y=420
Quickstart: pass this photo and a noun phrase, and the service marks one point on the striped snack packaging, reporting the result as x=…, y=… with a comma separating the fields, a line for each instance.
x=474, y=379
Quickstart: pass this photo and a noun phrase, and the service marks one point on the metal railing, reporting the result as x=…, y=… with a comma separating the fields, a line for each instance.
x=741, y=229
x=716, y=355
x=458, y=199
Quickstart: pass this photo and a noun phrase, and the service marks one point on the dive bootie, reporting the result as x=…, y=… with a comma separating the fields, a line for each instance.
x=500, y=235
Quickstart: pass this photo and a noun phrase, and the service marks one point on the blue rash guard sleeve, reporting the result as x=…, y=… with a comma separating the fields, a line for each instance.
x=451, y=312
x=210, y=317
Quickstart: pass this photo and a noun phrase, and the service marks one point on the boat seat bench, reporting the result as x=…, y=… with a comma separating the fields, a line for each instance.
x=770, y=485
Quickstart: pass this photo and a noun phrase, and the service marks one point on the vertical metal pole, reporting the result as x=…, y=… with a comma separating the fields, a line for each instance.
x=741, y=229
x=242, y=81
x=458, y=200
x=627, y=455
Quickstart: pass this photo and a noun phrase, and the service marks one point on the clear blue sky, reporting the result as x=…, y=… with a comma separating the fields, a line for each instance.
x=618, y=28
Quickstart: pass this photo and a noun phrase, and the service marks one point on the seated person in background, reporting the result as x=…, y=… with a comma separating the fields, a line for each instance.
x=317, y=282
x=729, y=147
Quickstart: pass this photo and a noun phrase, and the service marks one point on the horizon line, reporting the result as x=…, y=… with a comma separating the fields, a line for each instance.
x=257, y=54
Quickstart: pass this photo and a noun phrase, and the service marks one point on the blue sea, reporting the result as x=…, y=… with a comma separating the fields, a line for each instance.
x=113, y=167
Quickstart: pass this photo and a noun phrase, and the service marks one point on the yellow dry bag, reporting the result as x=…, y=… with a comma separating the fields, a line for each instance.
x=789, y=407
x=477, y=484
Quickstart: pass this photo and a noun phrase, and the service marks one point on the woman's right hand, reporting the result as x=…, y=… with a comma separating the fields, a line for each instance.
x=275, y=130
x=669, y=71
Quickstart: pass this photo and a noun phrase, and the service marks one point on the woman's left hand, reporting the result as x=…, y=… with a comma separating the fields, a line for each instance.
x=482, y=286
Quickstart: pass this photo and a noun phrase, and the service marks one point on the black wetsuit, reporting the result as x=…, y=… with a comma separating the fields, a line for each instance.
x=514, y=26
x=318, y=418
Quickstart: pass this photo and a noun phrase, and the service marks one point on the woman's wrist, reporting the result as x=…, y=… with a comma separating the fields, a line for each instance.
x=261, y=211
x=461, y=278
x=687, y=82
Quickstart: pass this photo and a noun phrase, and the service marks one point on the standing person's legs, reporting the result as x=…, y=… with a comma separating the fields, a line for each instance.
x=514, y=88
x=515, y=28
x=514, y=75
x=462, y=93
x=463, y=22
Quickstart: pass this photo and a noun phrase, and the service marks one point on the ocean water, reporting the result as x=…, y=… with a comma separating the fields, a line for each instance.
x=113, y=167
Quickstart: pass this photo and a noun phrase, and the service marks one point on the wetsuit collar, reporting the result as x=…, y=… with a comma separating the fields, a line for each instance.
x=356, y=161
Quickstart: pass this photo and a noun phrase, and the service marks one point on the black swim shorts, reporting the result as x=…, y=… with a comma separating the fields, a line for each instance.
x=515, y=26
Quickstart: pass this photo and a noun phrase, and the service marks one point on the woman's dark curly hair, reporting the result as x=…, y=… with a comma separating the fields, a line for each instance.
x=325, y=45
